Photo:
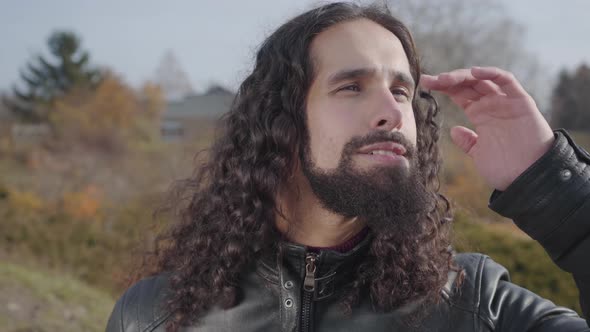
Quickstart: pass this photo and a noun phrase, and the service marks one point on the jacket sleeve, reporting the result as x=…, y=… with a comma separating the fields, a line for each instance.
x=138, y=309
x=550, y=201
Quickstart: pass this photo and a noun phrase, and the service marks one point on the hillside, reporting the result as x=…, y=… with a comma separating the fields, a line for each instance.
x=40, y=301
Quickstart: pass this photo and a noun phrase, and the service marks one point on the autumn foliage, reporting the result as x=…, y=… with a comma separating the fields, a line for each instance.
x=110, y=118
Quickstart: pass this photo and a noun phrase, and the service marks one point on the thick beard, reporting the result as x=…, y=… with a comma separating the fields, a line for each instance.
x=410, y=244
x=381, y=195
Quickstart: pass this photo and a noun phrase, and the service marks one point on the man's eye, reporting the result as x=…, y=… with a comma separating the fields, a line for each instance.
x=400, y=92
x=351, y=87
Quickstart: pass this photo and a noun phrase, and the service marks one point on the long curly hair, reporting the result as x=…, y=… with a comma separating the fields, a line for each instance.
x=231, y=199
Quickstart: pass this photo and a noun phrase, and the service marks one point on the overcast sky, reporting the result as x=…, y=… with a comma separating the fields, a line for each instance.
x=215, y=40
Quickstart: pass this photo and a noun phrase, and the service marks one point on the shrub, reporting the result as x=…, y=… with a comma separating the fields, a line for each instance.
x=528, y=263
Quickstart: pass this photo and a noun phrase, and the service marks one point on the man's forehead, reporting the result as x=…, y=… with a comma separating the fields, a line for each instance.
x=358, y=44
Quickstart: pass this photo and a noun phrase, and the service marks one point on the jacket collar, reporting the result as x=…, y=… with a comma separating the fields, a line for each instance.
x=333, y=269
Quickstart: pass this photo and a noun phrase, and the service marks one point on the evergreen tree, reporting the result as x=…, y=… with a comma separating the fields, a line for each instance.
x=570, y=103
x=45, y=80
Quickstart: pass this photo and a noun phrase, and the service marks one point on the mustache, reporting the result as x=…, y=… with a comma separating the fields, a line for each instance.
x=357, y=142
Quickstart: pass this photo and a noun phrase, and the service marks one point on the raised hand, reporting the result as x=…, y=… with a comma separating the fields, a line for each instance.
x=509, y=134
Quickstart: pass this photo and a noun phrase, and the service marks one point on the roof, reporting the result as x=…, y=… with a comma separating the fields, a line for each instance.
x=213, y=103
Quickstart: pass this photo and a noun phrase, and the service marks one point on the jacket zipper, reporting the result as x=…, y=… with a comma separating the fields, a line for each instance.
x=309, y=285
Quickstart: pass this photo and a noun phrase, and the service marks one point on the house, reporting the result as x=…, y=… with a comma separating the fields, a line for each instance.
x=193, y=116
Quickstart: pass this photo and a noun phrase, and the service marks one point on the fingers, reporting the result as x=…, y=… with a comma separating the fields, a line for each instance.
x=461, y=101
x=446, y=80
x=464, y=138
x=474, y=90
x=486, y=88
x=504, y=79
x=468, y=90
x=474, y=83
x=428, y=82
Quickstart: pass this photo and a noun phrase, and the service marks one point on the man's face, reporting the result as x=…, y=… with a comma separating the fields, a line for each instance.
x=363, y=85
x=362, y=133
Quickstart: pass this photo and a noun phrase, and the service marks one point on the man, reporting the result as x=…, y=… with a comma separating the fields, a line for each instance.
x=320, y=210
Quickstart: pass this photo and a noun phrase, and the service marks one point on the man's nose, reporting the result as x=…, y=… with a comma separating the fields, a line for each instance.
x=388, y=113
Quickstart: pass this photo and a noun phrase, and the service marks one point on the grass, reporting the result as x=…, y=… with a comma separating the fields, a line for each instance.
x=45, y=301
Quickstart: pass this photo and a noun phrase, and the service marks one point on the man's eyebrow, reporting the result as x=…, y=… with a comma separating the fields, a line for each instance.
x=403, y=78
x=349, y=74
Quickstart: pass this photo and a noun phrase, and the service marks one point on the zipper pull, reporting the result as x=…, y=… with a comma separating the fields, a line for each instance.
x=310, y=268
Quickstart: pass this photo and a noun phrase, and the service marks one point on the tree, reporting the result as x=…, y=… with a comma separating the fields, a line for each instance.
x=110, y=117
x=454, y=34
x=570, y=102
x=46, y=80
x=172, y=79
x=152, y=101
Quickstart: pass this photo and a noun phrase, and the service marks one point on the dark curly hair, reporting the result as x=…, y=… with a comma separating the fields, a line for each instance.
x=232, y=205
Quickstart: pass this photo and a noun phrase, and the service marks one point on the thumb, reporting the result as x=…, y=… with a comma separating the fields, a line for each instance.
x=464, y=138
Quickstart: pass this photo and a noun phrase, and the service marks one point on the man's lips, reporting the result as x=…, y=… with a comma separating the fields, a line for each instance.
x=383, y=148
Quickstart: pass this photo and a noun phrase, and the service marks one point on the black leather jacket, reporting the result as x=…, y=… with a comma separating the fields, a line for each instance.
x=550, y=201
